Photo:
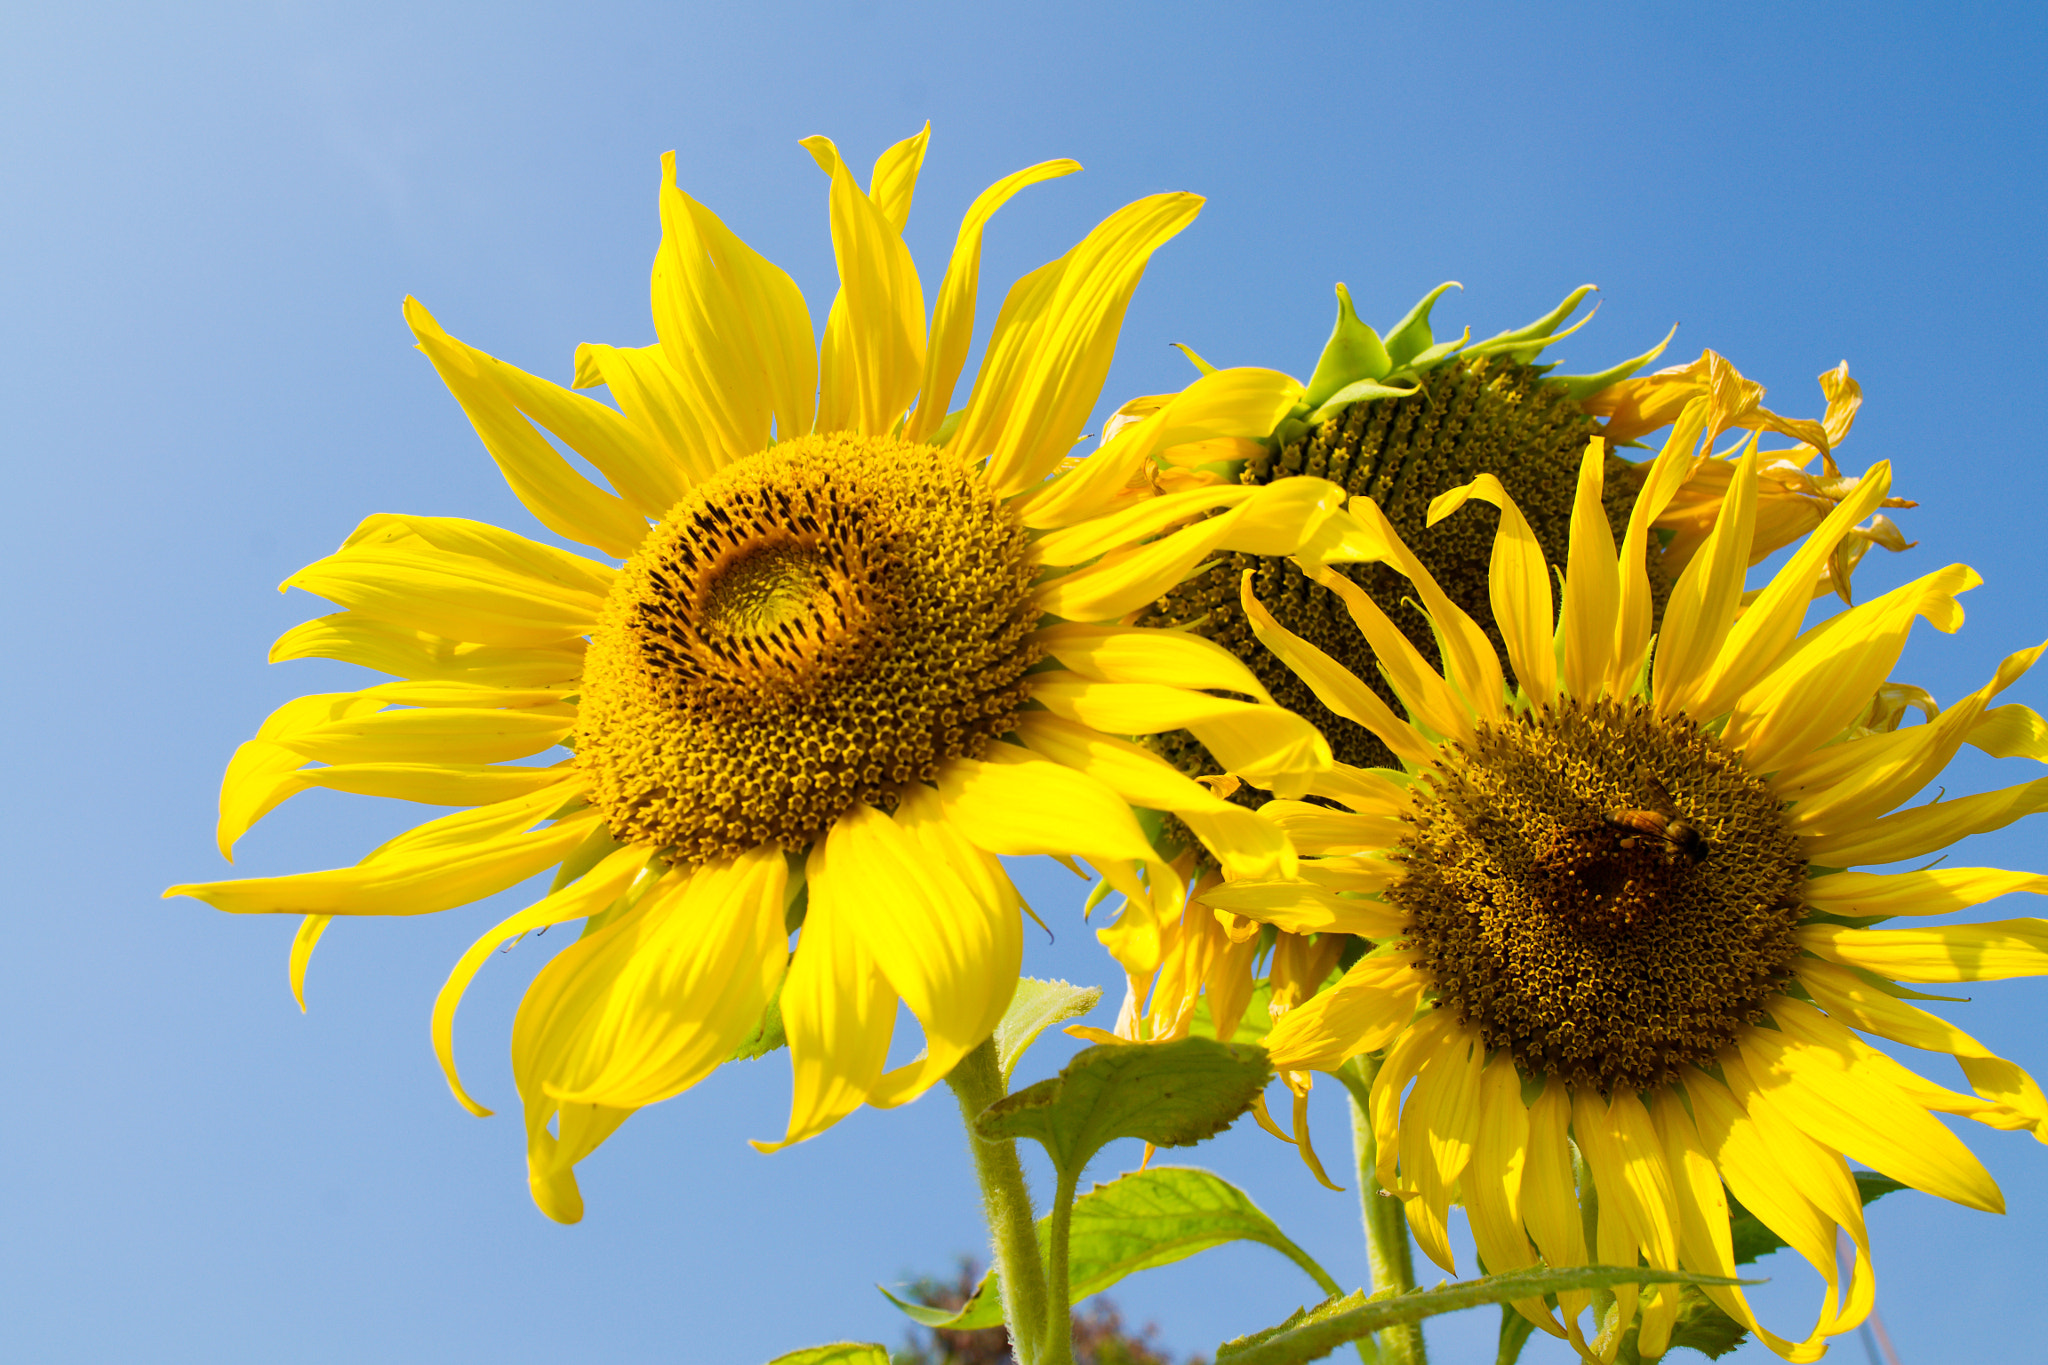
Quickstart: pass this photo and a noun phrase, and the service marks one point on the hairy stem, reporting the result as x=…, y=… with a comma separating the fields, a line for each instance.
x=977, y=1083
x=1059, y=1319
x=1386, y=1227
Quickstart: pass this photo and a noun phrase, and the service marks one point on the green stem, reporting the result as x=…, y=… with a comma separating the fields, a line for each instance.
x=977, y=1083
x=1386, y=1227
x=1059, y=1317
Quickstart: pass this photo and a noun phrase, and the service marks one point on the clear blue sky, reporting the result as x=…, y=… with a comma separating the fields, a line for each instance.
x=210, y=214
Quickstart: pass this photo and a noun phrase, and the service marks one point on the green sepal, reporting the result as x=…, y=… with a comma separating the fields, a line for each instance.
x=1411, y=337
x=1524, y=342
x=946, y=428
x=1136, y=1222
x=837, y=1353
x=1168, y=1094
x=1579, y=387
x=1036, y=1007
x=1312, y=1333
x=1353, y=352
x=1429, y=358
x=1363, y=390
x=1700, y=1327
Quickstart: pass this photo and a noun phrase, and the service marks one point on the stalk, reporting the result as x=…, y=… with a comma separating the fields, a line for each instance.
x=977, y=1083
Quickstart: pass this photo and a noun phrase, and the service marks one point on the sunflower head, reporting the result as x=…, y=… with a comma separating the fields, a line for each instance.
x=1609, y=885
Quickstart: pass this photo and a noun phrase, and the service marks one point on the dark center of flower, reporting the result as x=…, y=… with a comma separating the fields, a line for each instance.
x=1606, y=894
x=1490, y=416
x=820, y=624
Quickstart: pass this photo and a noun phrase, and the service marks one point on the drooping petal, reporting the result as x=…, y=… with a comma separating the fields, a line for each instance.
x=1337, y=688
x=1362, y=1012
x=585, y=896
x=1266, y=745
x=837, y=1008
x=1493, y=1182
x=1518, y=585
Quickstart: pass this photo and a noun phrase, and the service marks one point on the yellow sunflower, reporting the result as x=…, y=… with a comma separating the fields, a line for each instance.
x=859, y=646
x=1614, y=906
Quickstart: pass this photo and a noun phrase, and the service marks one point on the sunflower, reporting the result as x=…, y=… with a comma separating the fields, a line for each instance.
x=1614, y=908
x=858, y=647
x=1404, y=418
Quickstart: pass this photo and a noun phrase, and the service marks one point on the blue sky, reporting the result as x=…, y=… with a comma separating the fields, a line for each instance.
x=211, y=214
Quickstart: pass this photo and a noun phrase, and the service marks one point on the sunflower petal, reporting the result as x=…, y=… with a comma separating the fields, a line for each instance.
x=1592, y=584
x=415, y=654
x=1702, y=607
x=1363, y=1012
x=1955, y=952
x=650, y=393
x=1924, y=829
x=1518, y=584
x=1935, y=891
x=872, y=358
x=1334, y=685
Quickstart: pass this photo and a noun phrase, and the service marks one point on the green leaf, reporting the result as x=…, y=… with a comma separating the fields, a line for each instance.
x=1411, y=335
x=1168, y=1094
x=1700, y=1327
x=1036, y=1007
x=838, y=1353
x=1753, y=1240
x=1136, y=1222
x=1311, y=1334
x=1353, y=352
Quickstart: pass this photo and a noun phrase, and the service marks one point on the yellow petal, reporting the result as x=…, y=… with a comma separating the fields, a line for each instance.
x=1341, y=691
x=650, y=393
x=1518, y=584
x=1806, y=1068
x=1843, y=786
x=410, y=653
x=952, y=329
x=460, y=596
x=734, y=328
x=1269, y=519
x=1935, y=891
x=2014, y=1100
x=1954, y=952
x=490, y=393
x=1767, y=627
x=1493, y=1182
x=406, y=883
x=1362, y=1012
x=1702, y=607
x=1431, y=1032
x=1266, y=745
x=950, y=949
x=872, y=358
x=1924, y=829
x=311, y=928
x=431, y=736
x=1304, y=908
x=587, y=895
x=1827, y=677
x=551, y=1161
x=1633, y=624
x=1592, y=584
x=1228, y=405
x=1550, y=1203
x=1318, y=830
x=260, y=774
x=1444, y=1111
x=648, y=1005
x=837, y=1009
x=1125, y=654
x=1053, y=341
x=1470, y=664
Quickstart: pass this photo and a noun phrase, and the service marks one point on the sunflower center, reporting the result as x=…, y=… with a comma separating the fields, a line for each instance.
x=1606, y=894
x=820, y=624
x=1487, y=416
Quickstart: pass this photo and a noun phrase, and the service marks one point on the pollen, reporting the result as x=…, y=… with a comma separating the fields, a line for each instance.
x=1608, y=895
x=1492, y=416
x=822, y=623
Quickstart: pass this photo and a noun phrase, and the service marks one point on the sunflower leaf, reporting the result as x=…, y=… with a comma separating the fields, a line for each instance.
x=1036, y=1007
x=1312, y=1333
x=1168, y=1094
x=837, y=1353
x=1136, y=1222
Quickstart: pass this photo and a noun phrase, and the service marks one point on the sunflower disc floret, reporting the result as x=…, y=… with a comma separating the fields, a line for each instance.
x=1550, y=914
x=820, y=624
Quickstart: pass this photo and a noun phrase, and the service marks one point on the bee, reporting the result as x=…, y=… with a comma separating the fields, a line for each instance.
x=1662, y=821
